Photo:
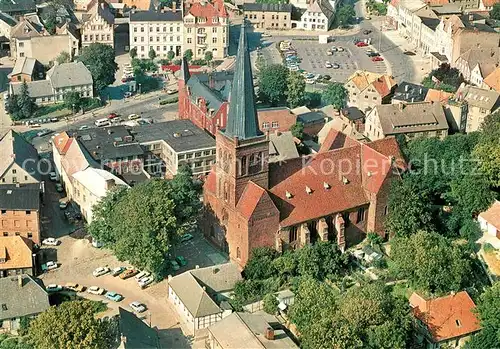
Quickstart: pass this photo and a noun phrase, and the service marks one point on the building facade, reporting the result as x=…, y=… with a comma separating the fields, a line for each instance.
x=99, y=28
x=318, y=16
x=367, y=89
x=268, y=16
x=18, y=160
x=206, y=29
x=161, y=31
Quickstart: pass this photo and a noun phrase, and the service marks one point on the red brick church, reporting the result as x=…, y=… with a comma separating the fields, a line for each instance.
x=338, y=194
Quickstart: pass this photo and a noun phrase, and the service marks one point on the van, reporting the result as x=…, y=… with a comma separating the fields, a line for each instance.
x=102, y=122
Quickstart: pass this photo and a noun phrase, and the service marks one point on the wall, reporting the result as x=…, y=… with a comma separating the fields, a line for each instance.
x=314, y=21
x=363, y=100
x=23, y=223
x=161, y=36
x=13, y=272
x=486, y=227
x=85, y=199
x=181, y=310
x=17, y=174
x=194, y=41
x=98, y=30
x=44, y=48
x=269, y=20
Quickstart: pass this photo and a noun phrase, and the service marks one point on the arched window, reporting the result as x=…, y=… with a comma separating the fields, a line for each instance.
x=243, y=166
x=238, y=253
x=255, y=164
x=226, y=191
x=225, y=216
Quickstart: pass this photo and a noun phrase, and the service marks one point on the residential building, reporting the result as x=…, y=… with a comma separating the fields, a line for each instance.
x=60, y=79
x=368, y=89
x=250, y=203
x=99, y=26
x=341, y=124
x=424, y=119
x=84, y=5
x=318, y=16
x=200, y=295
x=404, y=14
x=177, y=143
x=276, y=119
x=492, y=81
x=22, y=296
x=444, y=321
x=18, y=160
x=16, y=256
x=90, y=186
x=20, y=211
x=313, y=120
x=489, y=220
x=140, y=5
x=26, y=69
x=476, y=64
x=268, y=16
x=282, y=147
x=406, y=92
x=30, y=39
x=162, y=31
x=467, y=110
x=438, y=96
x=206, y=28
x=467, y=5
x=135, y=333
x=487, y=5
x=18, y=8
x=245, y=330
x=6, y=24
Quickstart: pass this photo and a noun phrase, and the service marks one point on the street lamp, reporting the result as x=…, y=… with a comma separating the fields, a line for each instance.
x=139, y=88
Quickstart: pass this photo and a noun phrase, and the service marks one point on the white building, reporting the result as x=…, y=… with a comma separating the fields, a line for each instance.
x=318, y=16
x=489, y=220
x=160, y=31
x=99, y=28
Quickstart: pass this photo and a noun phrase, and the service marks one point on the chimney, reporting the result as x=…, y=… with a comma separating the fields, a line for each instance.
x=18, y=185
x=471, y=17
x=401, y=106
x=20, y=281
x=174, y=6
x=326, y=185
x=109, y=183
x=407, y=87
x=269, y=333
x=413, y=99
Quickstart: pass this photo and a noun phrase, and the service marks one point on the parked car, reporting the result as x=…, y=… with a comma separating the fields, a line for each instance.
x=333, y=49
x=59, y=188
x=133, y=117
x=128, y=274
x=53, y=176
x=138, y=307
x=181, y=260
x=409, y=53
x=310, y=81
x=96, y=290
x=74, y=287
x=335, y=66
x=340, y=49
x=144, y=282
x=171, y=91
x=186, y=237
x=63, y=204
x=50, y=265
x=115, y=297
x=361, y=44
x=377, y=59
x=127, y=78
x=53, y=288
x=174, y=265
x=100, y=271
x=141, y=275
x=326, y=77
x=367, y=31
x=117, y=271
x=266, y=35
x=50, y=242
x=44, y=132
x=328, y=64
x=84, y=127
x=112, y=116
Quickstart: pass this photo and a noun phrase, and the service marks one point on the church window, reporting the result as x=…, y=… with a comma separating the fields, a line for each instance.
x=238, y=253
x=243, y=166
x=255, y=165
x=226, y=191
x=293, y=234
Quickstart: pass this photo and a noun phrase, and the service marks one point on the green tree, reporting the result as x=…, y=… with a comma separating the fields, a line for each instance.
x=260, y=265
x=487, y=151
x=295, y=90
x=100, y=60
x=70, y=325
x=170, y=55
x=430, y=262
x=346, y=15
x=73, y=101
x=297, y=130
x=273, y=83
x=270, y=303
x=50, y=19
x=209, y=56
x=188, y=54
x=495, y=12
x=24, y=106
x=408, y=209
x=152, y=53
x=336, y=95
x=444, y=78
x=63, y=57
x=133, y=52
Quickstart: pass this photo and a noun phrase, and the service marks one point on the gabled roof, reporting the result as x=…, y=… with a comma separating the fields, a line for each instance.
x=336, y=140
x=252, y=195
x=137, y=333
x=282, y=146
x=192, y=287
x=18, y=6
x=143, y=5
x=409, y=92
x=156, y=16
x=62, y=142
x=15, y=149
x=282, y=115
x=476, y=56
x=267, y=7
x=24, y=65
x=208, y=10
x=478, y=97
x=16, y=250
x=242, y=119
x=21, y=299
x=362, y=79
x=28, y=27
x=492, y=215
x=95, y=180
x=9, y=20
x=69, y=75
x=437, y=96
x=36, y=89
x=321, y=6
x=76, y=159
x=101, y=9
x=493, y=80
x=389, y=147
x=446, y=317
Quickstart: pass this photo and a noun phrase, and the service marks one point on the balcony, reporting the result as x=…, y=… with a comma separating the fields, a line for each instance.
x=201, y=34
x=202, y=44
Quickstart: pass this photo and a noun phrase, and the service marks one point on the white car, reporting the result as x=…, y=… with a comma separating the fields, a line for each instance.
x=310, y=81
x=140, y=275
x=50, y=242
x=53, y=288
x=138, y=307
x=53, y=176
x=95, y=290
x=340, y=49
x=145, y=281
x=328, y=64
x=101, y=271
x=266, y=35
x=84, y=127
x=51, y=265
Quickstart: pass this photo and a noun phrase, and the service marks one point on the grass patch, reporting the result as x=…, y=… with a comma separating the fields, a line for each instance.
x=402, y=290
x=46, y=110
x=488, y=248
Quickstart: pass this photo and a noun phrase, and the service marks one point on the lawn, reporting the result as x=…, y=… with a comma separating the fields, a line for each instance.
x=52, y=111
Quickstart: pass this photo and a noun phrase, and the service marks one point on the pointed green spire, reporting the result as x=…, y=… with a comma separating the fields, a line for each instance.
x=184, y=70
x=242, y=119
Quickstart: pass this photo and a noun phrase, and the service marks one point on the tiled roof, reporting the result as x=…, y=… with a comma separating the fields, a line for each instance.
x=136, y=332
x=437, y=96
x=436, y=2
x=408, y=92
x=282, y=146
x=36, y=89
x=69, y=74
x=336, y=140
x=267, y=7
x=282, y=115
x=16, y=250
x=143, y=5
x=252, y=195
x=94, y=180
x=490, y=3
x=156, y=16
x=389, y=147
x=208, y=10
x=479, y=97
x=446, y=317
x=492, y=215
x=24, y=65
x=475, y=56
x=384, y=85
x=493, y=80
x=76, y=159
x=26, y=299
x=62, y=142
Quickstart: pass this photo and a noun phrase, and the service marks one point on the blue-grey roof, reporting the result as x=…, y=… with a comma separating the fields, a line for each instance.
x=155, y=16
x=408, y=92
x=267, y=7
x=18, y=6
x=22, y=198
x=136, y=332
x=25, y=299
x=242, y=119
x=198, y=89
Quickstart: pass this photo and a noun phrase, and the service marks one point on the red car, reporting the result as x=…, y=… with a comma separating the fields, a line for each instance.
x=377, y=59
x=361, y=44
x=112, y=116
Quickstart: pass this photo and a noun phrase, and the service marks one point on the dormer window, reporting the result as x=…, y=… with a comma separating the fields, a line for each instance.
x=288, y=195
x=308, y=190
x=326, y=185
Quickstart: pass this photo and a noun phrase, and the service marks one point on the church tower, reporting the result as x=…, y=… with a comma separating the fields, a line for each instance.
x=242, y=149
x=183, y=90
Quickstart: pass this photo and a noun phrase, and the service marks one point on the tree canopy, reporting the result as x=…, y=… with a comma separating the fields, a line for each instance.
x=70, y=325
x=495, y=12
x=297, y=130
x=188, y=54
x=335, y=94
x=345, y=15
x=295, y=93
x=152, y=53
x=140, y=224
x=273, y=83
x=487, y=150
x=444, y=78
x=100, y=60
x=21, y=106
x=63, y=57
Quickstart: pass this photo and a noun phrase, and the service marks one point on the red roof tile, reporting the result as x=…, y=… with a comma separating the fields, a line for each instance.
x=208, y=10
x=62, y=142
x=490, y=3
x=283, y=116
x=389, y=147
x=335, y=140
x=384, y=85
x=492, y=215
x=446, y=317
x=251, y=197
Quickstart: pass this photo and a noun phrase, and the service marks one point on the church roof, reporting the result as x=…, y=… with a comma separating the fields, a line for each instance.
x=242, y=119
